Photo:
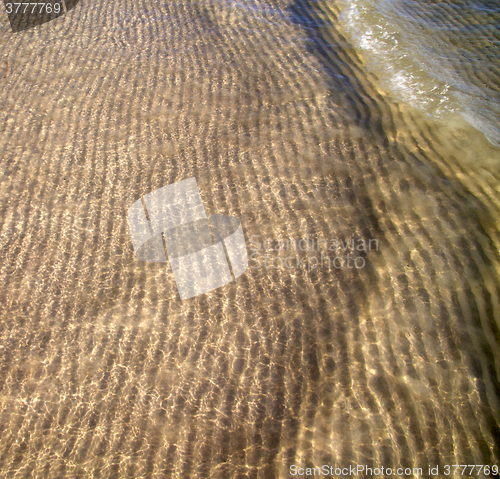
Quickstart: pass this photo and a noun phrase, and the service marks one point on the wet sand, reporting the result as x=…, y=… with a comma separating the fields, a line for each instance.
x=106, y=373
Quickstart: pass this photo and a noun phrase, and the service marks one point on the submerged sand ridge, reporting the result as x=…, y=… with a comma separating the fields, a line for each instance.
x=105, y=372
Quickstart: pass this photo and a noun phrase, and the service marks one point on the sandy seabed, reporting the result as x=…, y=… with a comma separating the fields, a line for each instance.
x=106, y=373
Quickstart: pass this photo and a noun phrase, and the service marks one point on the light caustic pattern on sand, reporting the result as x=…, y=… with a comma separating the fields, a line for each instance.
x=106, y=373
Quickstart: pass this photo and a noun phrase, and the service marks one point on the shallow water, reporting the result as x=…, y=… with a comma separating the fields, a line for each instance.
x=290, y=125
x=440, y=56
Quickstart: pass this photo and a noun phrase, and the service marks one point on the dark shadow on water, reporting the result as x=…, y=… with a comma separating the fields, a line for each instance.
x=345, y=86
x=24, y=16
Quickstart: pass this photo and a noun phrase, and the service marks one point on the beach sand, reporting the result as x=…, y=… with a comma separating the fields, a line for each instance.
x=106, y=373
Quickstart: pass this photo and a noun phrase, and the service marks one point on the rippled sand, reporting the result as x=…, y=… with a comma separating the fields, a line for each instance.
x=106, y=373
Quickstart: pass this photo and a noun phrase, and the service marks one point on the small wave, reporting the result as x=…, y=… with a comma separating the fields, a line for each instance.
x=440, y=57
